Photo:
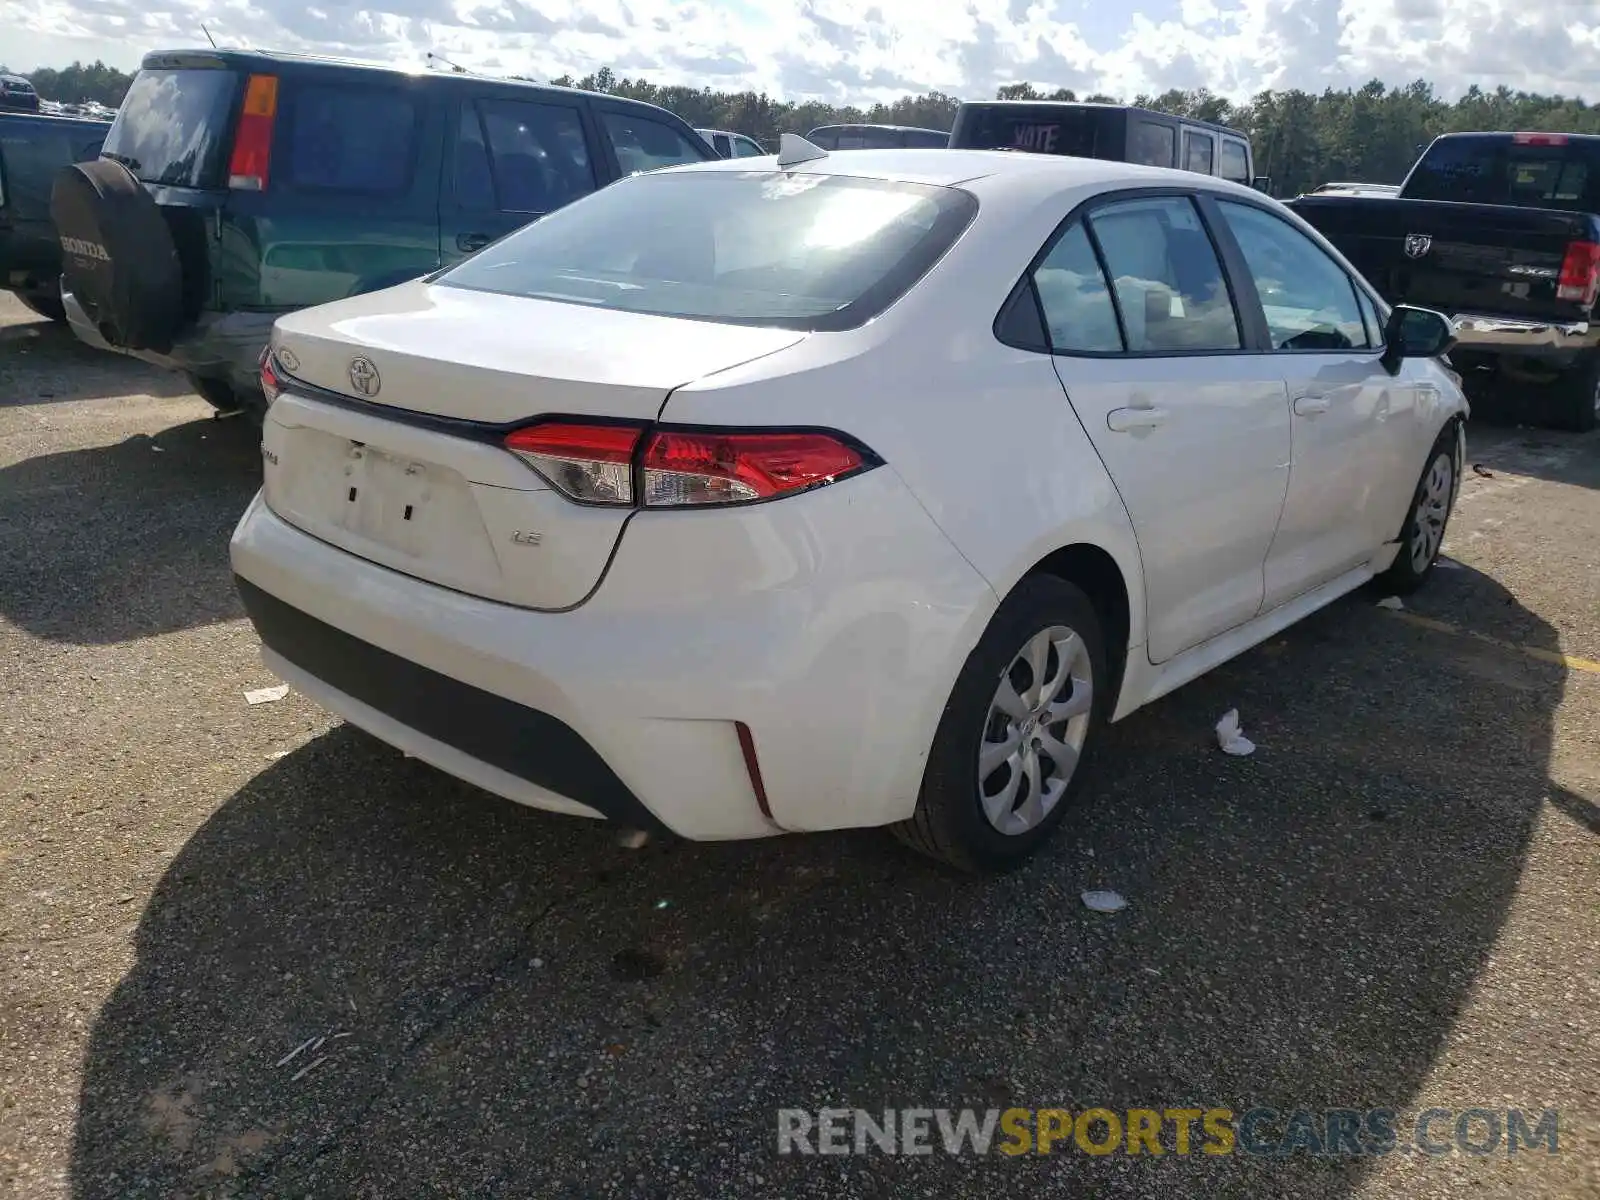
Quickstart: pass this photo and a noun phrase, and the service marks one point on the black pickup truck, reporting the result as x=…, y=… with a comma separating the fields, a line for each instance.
x=33, y=149
x=1500, y=231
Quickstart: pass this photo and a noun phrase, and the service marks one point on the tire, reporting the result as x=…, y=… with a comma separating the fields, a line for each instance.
x=118, y=257
x=952, y=821
x=1575, y=397
x=1428, y=517
x=49, y=307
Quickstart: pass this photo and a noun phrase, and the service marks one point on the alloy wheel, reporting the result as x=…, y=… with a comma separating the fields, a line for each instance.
x=1035, y=729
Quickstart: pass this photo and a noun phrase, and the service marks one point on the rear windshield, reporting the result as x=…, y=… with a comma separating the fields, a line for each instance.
x=173, y=125
x=1046, y=130
x=1502, y=171
x=794, y=251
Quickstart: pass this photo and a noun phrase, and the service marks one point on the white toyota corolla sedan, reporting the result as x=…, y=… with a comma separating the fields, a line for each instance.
x=833, y=490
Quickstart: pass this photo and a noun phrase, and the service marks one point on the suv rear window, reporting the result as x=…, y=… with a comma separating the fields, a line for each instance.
x=1050, y=129
x=810, y=252
x=1498, y=170
x=173, y=126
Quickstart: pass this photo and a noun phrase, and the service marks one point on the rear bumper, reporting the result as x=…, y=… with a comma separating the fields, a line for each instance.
x=832, y=632
x=224, y=346
x=1485, y=334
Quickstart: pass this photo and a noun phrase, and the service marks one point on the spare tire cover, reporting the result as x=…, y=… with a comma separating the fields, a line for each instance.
x=117, y=255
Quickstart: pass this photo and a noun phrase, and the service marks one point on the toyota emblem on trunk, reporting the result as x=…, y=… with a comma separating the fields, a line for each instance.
x=1418, y=244
x=364, y=377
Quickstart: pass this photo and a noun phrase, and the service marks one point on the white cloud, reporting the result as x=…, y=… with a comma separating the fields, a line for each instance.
x=866, y=50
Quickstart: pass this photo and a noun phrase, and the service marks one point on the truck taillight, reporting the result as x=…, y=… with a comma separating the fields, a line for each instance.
x=683, y=467
x=1580, y=274
x=252, y=137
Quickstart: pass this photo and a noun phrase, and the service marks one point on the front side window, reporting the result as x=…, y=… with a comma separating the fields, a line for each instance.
x=350, y=139
x=1078, y=313
x=1235, y=162
x=791, y=251
x=645, y=144
x=1309, y=301
x=1166, y=276
x=1198, y=149
x=1370, y=316
x=1151, y=144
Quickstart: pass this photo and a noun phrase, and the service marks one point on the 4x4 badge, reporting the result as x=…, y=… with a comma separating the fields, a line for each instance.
x=364, y=377
x=1418, y=244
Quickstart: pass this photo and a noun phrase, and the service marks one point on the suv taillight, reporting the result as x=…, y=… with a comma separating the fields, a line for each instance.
x=1580, y=274
x=252, y=137
x=683, y=467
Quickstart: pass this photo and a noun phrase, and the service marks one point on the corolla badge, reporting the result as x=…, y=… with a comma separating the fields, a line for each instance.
x=364, y=377
x=1418, y=244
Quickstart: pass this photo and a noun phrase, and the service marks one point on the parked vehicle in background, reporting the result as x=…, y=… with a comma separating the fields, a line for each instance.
x=17, y=94
x=876, y=137
x=32, y=150
x=1356, y=189
x=1499, y=230
x=238, y=186
x=728, y=144
x=767, y=529
x=1114, y=132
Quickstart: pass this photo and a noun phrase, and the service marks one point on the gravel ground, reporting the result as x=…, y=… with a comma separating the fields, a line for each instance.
x=1391, y=904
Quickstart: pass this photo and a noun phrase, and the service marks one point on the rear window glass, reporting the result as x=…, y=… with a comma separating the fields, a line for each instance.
x=173, y=126
x=343, y=139
x=1500, y=171
x=1037, y=130
x=752, y=248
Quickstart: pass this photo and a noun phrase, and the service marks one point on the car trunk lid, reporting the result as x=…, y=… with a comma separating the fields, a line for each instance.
x=390, y=443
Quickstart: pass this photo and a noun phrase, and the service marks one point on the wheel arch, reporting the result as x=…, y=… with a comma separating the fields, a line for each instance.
x=1105, y=581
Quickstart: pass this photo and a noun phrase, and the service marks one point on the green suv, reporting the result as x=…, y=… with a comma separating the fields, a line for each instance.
x=236, y=186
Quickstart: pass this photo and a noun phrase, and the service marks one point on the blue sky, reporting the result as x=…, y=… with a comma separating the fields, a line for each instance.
x=866, y=50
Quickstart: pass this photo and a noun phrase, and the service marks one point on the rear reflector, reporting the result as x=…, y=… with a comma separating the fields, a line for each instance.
x=695, y=467
x=1539, y=139
x=683, y=467
x=592, y=464
x=252, y=137
x=1580, y=274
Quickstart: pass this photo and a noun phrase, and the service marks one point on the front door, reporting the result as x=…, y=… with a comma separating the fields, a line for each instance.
x=1194, y=432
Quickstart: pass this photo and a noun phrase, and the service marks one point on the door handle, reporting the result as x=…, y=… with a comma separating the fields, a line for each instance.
x=1128, y=420
x=472, y=241
x=1310, y=406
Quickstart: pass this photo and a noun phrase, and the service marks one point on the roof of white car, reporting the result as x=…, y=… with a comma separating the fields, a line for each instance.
x=950, y=167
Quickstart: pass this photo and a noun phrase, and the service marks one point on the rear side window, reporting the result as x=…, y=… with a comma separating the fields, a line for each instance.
x=1499, y=170
x=173, y=126
x=645, y=144
x=1078, y=313
x=809, y=252
x=1048, y=129
x=537, y=154
x=1165, y=275
x=1151, y=144
x=1235, y=162
x=349, y=139
x=1198, y=150
x=743, y=147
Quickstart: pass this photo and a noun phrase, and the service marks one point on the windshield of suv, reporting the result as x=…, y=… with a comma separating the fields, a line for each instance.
x=173, y=125
x=794, y=251
x=1552, y=173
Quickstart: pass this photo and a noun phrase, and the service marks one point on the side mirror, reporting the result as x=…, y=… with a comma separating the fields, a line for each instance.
x=1262, y=184
x=1415, y=333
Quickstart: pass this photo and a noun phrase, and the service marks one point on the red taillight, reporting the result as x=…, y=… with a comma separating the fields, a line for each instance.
x=589, y=463
x=1539, y=139
x=706, y=467
x=252, y=138
x=1580, y=274
x=595, y=464
x=271, y=376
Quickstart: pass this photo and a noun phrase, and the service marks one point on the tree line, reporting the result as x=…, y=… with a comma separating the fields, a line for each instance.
x=1371, y=133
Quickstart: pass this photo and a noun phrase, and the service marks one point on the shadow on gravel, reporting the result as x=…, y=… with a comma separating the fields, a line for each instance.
x=1498, y=441
x=41, y=362
x=533, y=1011
x=129, y=540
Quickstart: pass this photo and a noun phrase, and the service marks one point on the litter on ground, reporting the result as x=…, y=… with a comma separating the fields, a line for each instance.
x=1231, y=738
x=267, y=695
x=1393, y=603
x=1104, y=902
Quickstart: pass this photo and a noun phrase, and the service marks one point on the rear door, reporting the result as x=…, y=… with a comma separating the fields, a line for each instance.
x=512, y=161
x=1192, y=427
